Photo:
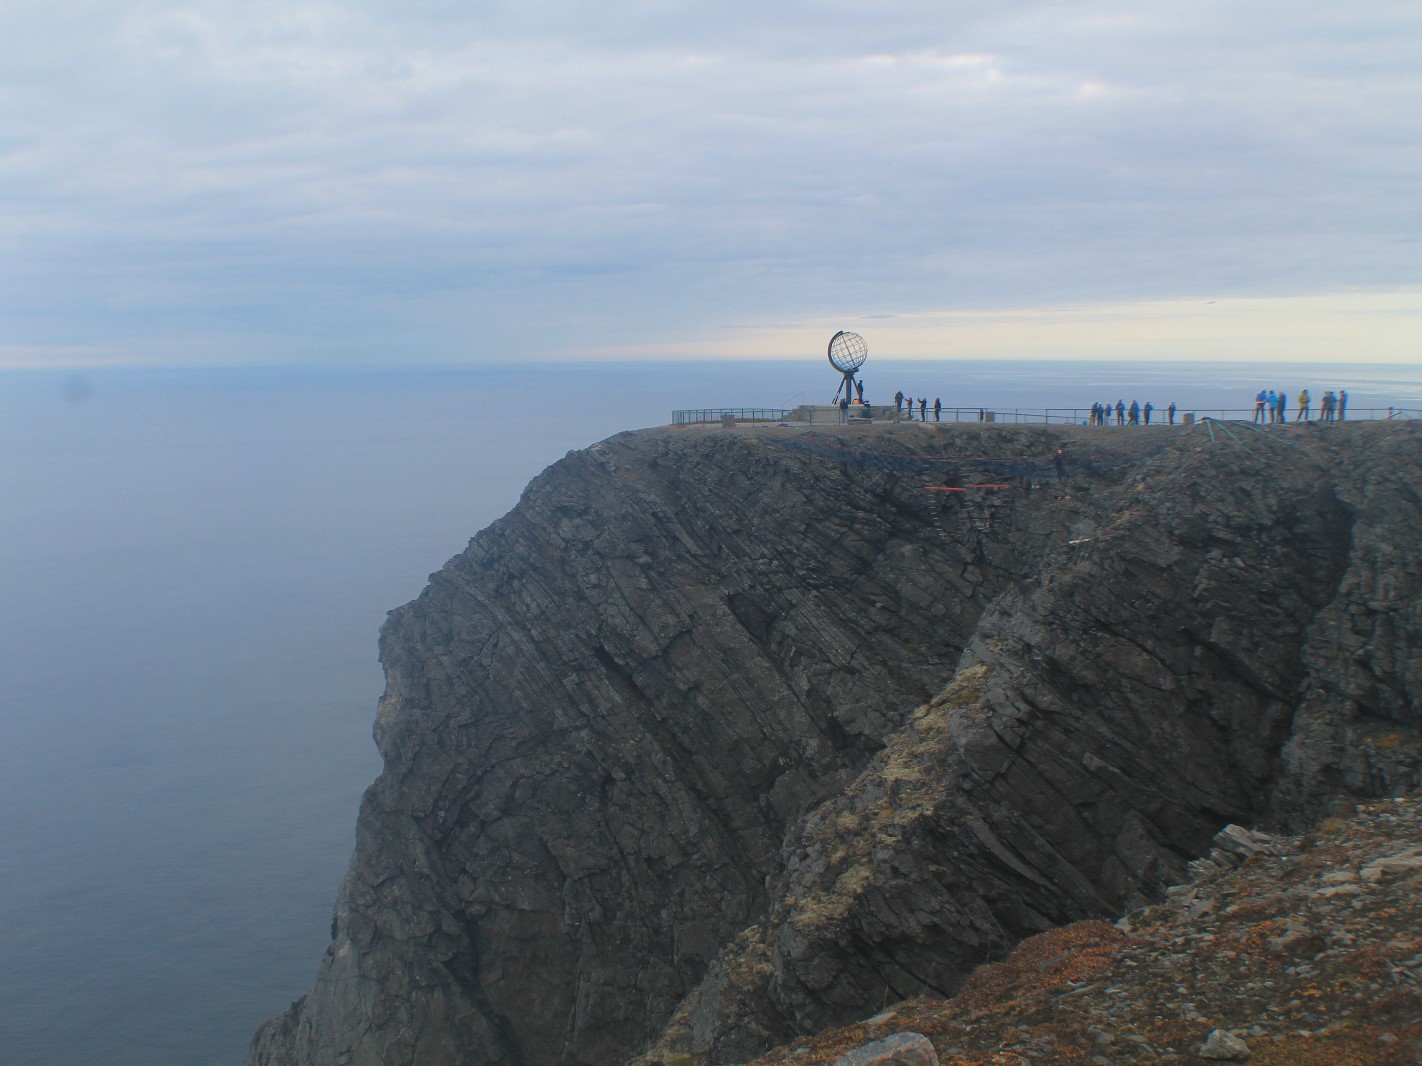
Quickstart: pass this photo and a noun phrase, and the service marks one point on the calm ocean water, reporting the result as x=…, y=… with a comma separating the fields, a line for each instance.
x=193, y=568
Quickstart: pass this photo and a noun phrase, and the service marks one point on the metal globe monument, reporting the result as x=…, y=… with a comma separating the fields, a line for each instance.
x=847, y=352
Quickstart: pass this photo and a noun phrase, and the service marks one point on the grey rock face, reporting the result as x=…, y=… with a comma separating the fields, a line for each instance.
x=901, y=1049
x=670, y=759
x=1221, y=1046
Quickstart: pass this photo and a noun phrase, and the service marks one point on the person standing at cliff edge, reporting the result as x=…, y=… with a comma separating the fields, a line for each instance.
x=1342, y=404
x=1170, y=411
x=937, y=407
x=1302, y=416
x=923, y=408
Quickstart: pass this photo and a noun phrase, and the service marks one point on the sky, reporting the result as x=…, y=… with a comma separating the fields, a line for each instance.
x=288, y=182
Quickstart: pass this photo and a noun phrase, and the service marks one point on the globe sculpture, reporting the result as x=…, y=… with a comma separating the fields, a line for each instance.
x=847, y=352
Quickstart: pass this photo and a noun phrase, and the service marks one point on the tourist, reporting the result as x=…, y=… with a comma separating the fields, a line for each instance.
x=923, y=409
x=1148, y=408
x=1283, y=404
x=937, y=407
x=1120, y=412
x=1302, y=416
x=1260, y=399
x=1272, y=403
x=1342, y=404
x=1171, y=412
x=1135, y=413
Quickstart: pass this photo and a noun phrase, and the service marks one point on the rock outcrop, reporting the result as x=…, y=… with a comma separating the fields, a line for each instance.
x=725, y=736
x=1286, y=951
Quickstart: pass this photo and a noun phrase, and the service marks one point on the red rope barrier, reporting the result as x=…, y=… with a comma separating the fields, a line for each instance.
x=950, y=488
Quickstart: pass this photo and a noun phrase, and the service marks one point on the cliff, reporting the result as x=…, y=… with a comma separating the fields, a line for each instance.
x=721, y=737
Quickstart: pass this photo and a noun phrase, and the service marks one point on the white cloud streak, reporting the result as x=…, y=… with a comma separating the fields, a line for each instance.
x=308, y=181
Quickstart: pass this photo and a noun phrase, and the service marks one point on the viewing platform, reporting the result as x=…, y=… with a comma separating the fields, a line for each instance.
x=832, y=414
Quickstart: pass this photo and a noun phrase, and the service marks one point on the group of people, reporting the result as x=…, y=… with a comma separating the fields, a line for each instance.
x=901, y=401
x=1271, y=406
x=1134, y=415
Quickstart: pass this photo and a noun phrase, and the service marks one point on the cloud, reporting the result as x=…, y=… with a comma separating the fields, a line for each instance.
x=317, y=181
x=1367, y=327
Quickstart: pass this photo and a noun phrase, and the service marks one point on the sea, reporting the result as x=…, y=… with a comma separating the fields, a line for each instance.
x=194, y=565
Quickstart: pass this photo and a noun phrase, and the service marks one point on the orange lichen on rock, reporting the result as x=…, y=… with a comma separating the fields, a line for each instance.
x=1043, y=964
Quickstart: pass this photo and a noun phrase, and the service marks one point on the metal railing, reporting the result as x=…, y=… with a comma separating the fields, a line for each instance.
x=1159, y=416
x=740, y=414
x=1070, y=416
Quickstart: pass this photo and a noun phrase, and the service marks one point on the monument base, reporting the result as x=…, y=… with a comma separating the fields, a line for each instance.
x=826, y=413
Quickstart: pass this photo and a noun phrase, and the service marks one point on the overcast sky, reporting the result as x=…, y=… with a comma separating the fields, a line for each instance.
x=282, y=181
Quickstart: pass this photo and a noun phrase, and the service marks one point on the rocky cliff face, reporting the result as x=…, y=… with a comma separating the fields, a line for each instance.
x=723, y=736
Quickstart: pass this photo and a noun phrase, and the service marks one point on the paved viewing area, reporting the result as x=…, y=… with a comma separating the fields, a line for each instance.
x=827, y=414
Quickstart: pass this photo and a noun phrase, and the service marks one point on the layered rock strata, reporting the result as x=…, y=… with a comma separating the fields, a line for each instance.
x=724, y=736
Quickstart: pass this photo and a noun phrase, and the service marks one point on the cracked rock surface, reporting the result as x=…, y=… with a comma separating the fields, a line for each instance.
x=725, y=736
